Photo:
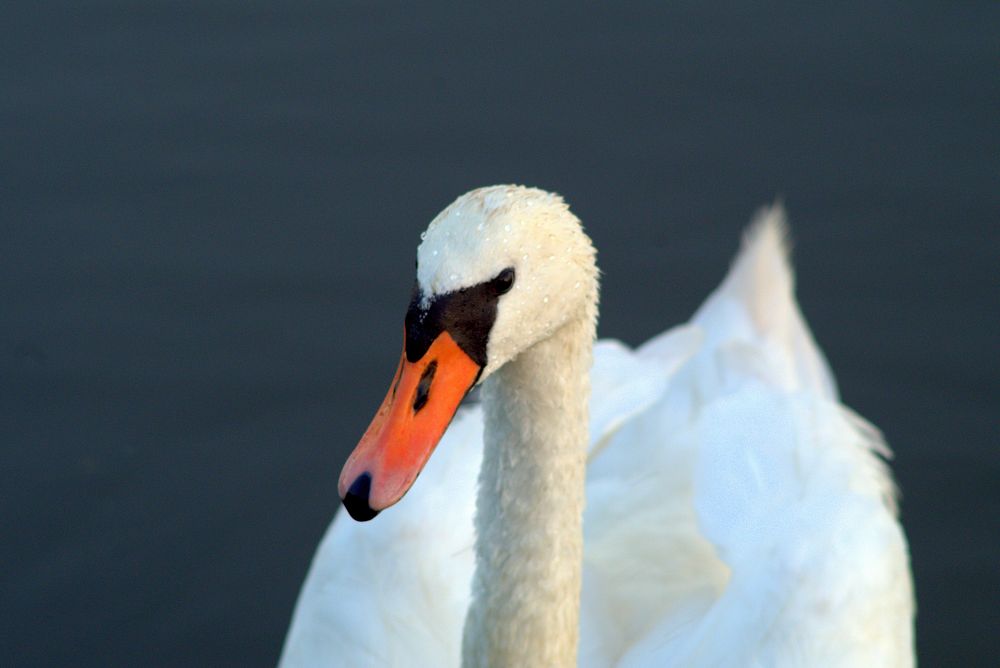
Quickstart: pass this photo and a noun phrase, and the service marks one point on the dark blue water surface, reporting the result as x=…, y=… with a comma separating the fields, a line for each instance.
x=209, y=212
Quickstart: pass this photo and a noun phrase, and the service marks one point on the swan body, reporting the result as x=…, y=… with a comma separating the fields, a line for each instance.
x=736, y=513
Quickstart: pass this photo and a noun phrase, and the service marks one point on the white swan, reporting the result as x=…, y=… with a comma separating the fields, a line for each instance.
x=736, y=513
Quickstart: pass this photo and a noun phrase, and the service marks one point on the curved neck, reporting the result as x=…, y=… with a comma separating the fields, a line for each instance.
x=529, y=512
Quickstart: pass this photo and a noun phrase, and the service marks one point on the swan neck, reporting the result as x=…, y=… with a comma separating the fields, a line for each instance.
x=529, y=515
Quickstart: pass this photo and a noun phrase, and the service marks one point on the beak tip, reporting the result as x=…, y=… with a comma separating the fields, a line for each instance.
x=356, y=499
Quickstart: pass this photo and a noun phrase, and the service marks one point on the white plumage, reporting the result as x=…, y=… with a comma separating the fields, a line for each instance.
x=736, y=513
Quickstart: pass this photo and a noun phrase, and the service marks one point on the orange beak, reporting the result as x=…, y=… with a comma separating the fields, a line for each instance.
x=413, y=417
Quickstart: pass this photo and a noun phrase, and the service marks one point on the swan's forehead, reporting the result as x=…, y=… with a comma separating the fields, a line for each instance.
x=484, y=232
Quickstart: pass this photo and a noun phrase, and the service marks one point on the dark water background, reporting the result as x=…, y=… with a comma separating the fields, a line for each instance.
x=209, y=212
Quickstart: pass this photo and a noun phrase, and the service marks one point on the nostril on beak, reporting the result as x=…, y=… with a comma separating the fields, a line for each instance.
x=356, y=499
x=424, y=386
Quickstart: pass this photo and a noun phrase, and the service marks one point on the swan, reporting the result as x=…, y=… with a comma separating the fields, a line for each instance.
x=703, y=500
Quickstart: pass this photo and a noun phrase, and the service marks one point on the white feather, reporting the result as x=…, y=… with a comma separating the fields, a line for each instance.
x=737, y=514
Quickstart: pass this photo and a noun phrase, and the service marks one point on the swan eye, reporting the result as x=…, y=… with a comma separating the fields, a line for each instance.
x=504, y=281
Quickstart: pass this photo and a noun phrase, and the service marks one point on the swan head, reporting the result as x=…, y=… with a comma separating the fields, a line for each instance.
x=518, y=248
x=498, y=270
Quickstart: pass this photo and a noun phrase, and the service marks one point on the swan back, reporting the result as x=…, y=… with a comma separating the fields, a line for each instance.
x=754, y=320
x=761, y=525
